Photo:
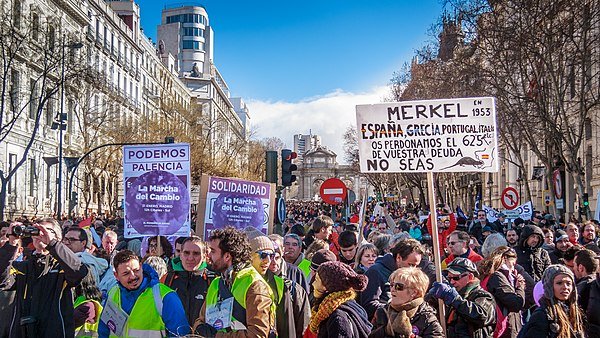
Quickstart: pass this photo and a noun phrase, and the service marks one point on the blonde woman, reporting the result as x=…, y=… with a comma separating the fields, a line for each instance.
x=407, y=314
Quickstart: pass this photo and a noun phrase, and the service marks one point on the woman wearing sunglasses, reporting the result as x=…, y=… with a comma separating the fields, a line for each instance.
x=407, y=314
x=336, y=313
x=501, y=279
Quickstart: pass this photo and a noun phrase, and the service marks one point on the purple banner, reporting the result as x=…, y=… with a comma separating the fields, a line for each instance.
x=236, y=203
x=157, y=190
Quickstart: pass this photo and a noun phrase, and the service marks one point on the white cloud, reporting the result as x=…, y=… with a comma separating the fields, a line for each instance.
x=327, y=116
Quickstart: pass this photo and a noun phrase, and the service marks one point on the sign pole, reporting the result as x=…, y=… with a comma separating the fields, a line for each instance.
x=436, y=244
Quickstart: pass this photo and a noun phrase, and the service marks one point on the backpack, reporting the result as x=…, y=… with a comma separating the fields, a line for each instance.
x=502, y=319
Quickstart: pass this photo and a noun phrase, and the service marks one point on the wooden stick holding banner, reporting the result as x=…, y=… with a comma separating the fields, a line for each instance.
x=361, y=217
x=436, y=244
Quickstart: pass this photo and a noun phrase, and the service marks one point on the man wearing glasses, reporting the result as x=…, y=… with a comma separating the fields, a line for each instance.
x=470, y=310
x=43, y=282
x=292, y=312
x=240, y=299
x=78, y=241
x=458, y=245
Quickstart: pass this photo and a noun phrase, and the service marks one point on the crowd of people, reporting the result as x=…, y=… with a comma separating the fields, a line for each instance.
x=321, y=277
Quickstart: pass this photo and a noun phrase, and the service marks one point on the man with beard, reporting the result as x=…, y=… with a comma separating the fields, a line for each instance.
x=292, y=311
x=239, y=303
x=588, y=234
x=512, y=238
x=561, y=244
x=530, y=254
x=140, y=306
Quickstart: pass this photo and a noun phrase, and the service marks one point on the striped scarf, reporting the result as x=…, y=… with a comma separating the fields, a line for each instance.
x=327, y=306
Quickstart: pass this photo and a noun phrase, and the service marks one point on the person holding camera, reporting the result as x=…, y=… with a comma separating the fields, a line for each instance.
x=43, y=282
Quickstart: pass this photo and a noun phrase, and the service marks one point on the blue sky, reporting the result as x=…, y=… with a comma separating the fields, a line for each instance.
x=292, y=53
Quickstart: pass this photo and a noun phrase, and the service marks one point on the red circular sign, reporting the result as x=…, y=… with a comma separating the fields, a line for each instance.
x=510, y=198
x=333, y=191
x=557, y=180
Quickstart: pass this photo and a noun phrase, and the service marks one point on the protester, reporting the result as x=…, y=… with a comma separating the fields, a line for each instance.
x=491, y=243
x=190, y=278
x=365, y=258
x=348, y=243
x=230, y=256
x=164, y=250
x=530, y=254
x=283, y=269
x=43, y=282
x=548, y=240
x=78, y=241
x=291, y=301
x=292, y=246
x=512, y=237
x=588, y=234
x=477, y=227
x=501, y=279
x=589, y=299
x=558, y=315
x=458, y=244
x=407, y=313
x=157, y=264
x=470, y=309
x=86, y=316
x=153, y=308
x=315, y=246
x=561, y=245
x=336, y=314
x=573, y=233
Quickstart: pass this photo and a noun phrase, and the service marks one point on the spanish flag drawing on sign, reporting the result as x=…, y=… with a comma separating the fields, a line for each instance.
x=485, y=156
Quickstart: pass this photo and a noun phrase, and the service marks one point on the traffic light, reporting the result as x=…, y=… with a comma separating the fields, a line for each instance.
x=586, y=202
x=271, y=164
x=74, y=200
x=287, y=167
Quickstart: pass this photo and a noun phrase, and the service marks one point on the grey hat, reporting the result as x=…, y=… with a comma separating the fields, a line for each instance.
x=559, y=235
x=548, y=281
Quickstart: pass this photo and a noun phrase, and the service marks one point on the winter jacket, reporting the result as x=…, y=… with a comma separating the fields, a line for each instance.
x=191, y=287
x=293, y=273
x=292, y=313
x=442, y=236
x=541, y=325
x=425, y=323
x=349, y=320
x=470, y=255
x=555, y=255
x=510, y=301
x=473, y=316
x=589, y=300
x=377, y=293
x=98, y=266
x=259, y=319
x=43, y=290
x=172, y=314
x=533, y=260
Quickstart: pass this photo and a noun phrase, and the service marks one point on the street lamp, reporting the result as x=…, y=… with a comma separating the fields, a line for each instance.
x=60, y=124
x=520, y=182
x=490, y=182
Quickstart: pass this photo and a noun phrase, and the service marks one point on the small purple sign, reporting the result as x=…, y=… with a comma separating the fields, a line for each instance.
x=236, y=203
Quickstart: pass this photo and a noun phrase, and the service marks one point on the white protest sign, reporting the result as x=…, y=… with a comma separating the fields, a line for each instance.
x=448, y=135
x=524, y=211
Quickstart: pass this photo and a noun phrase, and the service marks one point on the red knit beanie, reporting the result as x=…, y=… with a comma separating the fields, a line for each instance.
x=337, y=276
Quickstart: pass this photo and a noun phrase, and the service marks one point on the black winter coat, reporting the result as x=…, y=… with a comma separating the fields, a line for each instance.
x=43, y=290
x=589, y=299
x=377, y=293
x=425, y=323
x=473, y=317
x=533, y=260
x=347, y=321
x=510, y=300
x=292, y=313
x=541, y=325
x=191, y=287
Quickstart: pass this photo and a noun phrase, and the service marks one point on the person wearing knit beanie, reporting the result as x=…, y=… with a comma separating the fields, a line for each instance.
x=337, y=276
x=336, y=313
x=559, y=314
x=320, y=257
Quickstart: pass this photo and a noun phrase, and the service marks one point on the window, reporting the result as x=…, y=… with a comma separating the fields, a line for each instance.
x=33, y=99
x=32, y=176
x=12, y=184
x=35, y=26
x=14, y=90
x=49, y=107
x=51, y=38
x=16, y=14
x=192, y=31
x=189, y=44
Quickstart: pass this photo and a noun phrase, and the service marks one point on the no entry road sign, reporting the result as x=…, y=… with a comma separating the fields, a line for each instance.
x=333, y=191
